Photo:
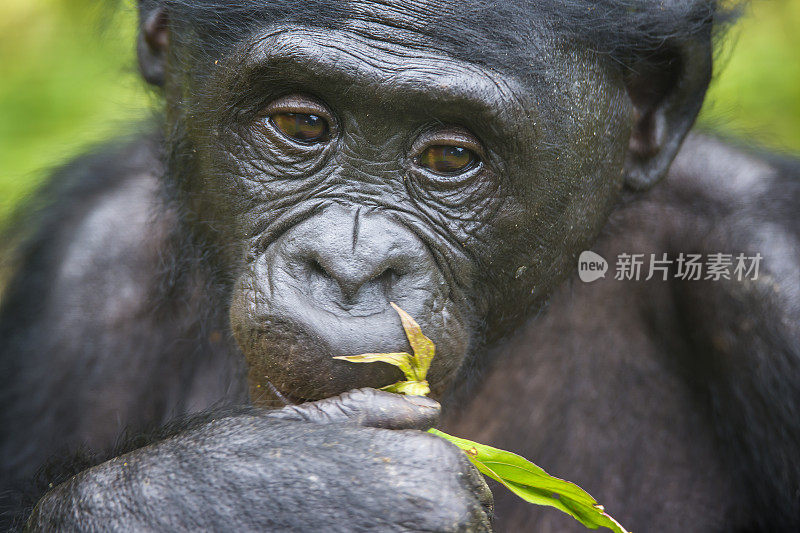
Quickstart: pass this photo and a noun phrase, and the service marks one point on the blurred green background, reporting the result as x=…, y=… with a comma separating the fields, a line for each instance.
x=68, y=79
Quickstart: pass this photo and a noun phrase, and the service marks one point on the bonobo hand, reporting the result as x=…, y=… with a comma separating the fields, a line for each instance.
x=348, y=463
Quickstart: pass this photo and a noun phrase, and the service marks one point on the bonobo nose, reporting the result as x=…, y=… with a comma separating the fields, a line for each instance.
x=356, y=277
x=356, y=260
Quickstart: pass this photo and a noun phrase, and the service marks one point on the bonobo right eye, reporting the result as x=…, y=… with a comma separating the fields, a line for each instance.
x=299, y=118
x=445, y=159
x=301, y=127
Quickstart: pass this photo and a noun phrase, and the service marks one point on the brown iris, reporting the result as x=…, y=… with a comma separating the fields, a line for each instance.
x=445, y=159
x=301, y=127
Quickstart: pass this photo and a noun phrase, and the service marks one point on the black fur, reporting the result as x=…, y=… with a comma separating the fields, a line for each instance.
x=620, y=28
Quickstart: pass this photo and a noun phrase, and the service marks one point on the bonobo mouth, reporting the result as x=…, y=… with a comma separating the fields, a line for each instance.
x=294, y=352
x=322, y=289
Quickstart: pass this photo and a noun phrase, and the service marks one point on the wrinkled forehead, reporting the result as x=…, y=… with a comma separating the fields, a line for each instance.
x=458, y=25
x=490, y=33
x=361, y=68
x=477, y=54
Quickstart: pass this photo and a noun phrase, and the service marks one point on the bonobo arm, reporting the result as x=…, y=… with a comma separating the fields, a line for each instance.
x=349, y=463
x=746, y=332
x=746, y=337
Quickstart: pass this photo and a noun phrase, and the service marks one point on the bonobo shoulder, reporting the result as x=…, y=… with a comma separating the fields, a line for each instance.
x=734, y=177
x=93, y=224
x=84, y=260
x=111, y=250
x=738, y=200
x=718, y=194
x=720, y=197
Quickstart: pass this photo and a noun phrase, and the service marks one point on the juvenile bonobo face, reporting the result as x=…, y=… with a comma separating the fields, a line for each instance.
x=357, y=166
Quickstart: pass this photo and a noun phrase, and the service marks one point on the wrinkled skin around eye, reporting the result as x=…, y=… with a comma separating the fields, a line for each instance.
x=301, y=127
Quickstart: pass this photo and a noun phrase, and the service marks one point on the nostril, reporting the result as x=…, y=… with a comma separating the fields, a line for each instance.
x=386, y=279
x=349, y=282
x=316, y=269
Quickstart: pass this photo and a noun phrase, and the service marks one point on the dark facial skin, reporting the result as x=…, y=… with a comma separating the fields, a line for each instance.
x=334, y=229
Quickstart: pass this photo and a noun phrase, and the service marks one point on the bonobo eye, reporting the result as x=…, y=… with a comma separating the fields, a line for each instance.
x=301, y=127
x=445, y=159
x=448, y=151
x=299, y=118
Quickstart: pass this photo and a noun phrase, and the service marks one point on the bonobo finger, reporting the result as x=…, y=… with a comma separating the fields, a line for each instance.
x=477, y=484
x=368, y=407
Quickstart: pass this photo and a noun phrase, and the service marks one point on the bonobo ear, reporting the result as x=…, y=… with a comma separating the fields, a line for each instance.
x=153, y=42
x=667, y=90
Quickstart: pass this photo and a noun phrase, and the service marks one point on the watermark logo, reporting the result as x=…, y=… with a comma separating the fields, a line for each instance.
x=591, y=266
x=688, y=267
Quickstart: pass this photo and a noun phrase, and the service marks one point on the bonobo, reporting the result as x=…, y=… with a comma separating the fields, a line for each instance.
x=317, y=160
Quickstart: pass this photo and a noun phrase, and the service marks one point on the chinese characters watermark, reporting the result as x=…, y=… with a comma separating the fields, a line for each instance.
x=684, y=266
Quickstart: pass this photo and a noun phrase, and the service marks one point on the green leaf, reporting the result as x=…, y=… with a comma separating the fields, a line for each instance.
x=533, y=484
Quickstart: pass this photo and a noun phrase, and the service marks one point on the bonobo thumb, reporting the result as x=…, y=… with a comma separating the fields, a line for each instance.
x=367, y=407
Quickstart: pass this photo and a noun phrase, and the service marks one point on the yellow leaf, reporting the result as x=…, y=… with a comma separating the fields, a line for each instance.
x=423, y=347
x=404, y=361
x=414, y=388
